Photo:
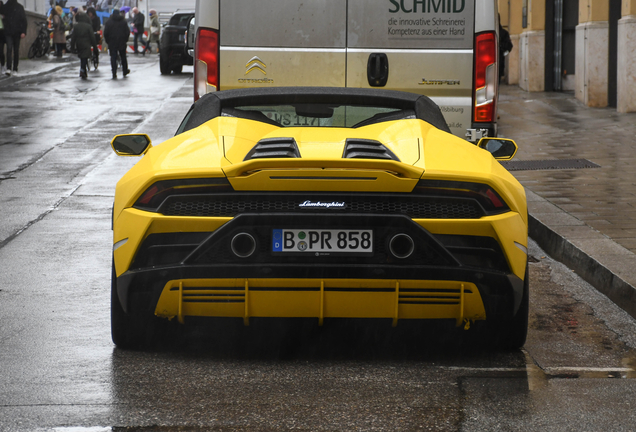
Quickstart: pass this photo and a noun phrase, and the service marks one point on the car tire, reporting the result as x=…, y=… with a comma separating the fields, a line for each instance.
x=128, y=331
x=512, y=333
x=177, y=69
x=164, y=65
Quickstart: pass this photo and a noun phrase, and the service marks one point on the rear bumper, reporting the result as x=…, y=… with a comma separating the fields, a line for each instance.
x=461, y=277
x=177, y=54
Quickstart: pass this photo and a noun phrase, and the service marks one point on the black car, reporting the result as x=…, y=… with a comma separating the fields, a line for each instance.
x=173, y=53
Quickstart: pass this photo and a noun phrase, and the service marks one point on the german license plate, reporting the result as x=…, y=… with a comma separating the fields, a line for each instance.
x=321, y=241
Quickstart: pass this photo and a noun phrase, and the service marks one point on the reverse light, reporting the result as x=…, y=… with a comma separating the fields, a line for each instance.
x=487, y=197
x=485, y=77
x=206, y=63
x=156, y=194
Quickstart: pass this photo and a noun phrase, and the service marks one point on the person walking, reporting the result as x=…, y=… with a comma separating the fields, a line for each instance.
x=15, y=27
x=116, y=33
x=82, y=40
x=155, y=30
x=139, y=21
x=2, y=42
x=95, y=22
x=59, y=30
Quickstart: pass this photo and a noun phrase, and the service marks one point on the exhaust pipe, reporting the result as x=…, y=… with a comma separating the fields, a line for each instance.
x=243, y=245
x=401, y=246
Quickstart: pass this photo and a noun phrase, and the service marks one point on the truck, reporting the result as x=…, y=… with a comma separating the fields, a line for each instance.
x=444, y=49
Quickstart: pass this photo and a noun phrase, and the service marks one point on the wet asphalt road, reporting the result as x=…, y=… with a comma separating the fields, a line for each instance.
x=61, y=372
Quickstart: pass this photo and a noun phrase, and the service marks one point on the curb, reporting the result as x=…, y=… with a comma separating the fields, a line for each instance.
x=589, y=269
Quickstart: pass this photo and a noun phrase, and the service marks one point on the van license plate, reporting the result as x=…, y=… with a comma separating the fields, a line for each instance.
x=320, y=240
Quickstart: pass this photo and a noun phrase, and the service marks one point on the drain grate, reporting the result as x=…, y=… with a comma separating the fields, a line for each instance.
x=548, y=164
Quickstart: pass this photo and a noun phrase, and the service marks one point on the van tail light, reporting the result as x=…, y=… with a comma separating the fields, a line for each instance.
x=486, y=76
x=206, y=63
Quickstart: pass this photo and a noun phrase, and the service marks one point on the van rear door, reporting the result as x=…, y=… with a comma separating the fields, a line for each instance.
x=282, y=43
x=418, y=46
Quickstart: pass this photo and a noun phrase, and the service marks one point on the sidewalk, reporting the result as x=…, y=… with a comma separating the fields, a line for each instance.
x=585, y=218
x=37, y=66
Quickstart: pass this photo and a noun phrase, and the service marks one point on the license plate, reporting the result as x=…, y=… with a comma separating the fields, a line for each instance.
x=322, y=242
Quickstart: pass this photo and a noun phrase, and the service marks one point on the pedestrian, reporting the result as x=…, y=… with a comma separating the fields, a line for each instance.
x=95, y=22
x=3, y=70
x=15, y=27
x=59, y=30
x=139, y=21
x=155, y=29
x=82, y=40
x=505, y=46
x=116, y=33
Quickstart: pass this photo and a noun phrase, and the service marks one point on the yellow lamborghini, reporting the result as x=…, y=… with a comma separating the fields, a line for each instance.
x=318, y=203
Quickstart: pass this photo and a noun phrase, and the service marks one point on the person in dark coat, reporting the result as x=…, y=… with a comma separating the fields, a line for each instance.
x=139, y=22
x=82, y=40
x=96, y=23
x=15, y=28
x=3, y=70
x=505, y=46
x=116, y=33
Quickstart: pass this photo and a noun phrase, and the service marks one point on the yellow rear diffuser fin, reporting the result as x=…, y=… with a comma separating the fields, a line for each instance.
x=460, y=317
x=322, y=303
x=397, y=303
x=246, y=318
x=180, y=312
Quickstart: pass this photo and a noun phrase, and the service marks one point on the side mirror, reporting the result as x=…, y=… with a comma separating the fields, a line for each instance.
x=189, y=36
x=500, y=148
x=131, y=144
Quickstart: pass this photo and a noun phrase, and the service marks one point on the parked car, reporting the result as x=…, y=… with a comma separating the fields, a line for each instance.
x=173, y=54
x=318, y=202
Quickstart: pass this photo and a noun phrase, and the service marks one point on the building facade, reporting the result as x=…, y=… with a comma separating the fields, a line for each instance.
x=585, y=46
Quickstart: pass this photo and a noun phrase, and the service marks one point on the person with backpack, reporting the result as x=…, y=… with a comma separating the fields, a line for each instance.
x=15, y=27
x=59, y=30
x=82, y=40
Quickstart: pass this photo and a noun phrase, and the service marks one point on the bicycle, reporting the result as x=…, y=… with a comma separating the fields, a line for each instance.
x=95, y=58
x=42, y=43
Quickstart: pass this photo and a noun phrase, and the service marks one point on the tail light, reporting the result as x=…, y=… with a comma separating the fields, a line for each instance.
x=156, y=194
x=486, y=196
x=485, y=76
x=206, y=63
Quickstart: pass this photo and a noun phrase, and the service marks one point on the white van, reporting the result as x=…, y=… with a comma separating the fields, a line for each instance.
x=445, y=49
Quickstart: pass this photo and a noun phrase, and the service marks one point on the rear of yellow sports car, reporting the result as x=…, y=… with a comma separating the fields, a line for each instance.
x=242, y=217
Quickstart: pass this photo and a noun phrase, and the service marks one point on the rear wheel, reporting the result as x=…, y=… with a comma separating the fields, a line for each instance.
x=164, y=65
x=128, y=331
x=512, y=333
x=177, y=69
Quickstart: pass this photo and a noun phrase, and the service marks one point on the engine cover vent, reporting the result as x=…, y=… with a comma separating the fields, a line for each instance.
x=357, y=148
x=274, y=148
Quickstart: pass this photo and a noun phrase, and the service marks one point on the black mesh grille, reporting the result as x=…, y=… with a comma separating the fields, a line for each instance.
x=274, y=148
x=417, y=207
x=367, y=149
